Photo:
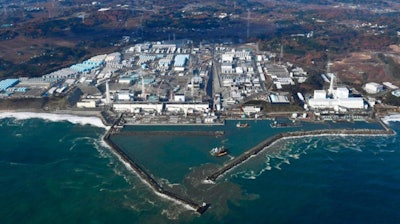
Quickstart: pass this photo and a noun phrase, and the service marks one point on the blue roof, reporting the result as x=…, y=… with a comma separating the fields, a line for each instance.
x=180, y=60
x=86, y=66
x=7, y=83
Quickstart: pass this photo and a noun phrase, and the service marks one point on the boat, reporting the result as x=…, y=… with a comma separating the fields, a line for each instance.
x=242, y=125
x=218, y=151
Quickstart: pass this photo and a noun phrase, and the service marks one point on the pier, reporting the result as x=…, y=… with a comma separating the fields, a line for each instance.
x=200, y=208
x=268, y=142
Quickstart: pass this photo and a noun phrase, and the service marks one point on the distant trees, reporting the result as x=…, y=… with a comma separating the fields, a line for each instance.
x=8, y=34
x=390, y=99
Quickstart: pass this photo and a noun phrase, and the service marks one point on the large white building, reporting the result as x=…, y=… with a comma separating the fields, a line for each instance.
x=137, y=107
x=340, y=100
x=185, y=107
x=348, y=103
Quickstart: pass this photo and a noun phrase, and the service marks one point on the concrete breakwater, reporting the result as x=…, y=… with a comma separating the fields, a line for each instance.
x=200, y=208
x=173, y=133
x=268, y=142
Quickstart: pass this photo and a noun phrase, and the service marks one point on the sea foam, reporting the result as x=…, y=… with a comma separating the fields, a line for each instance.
x=94, y=121
x=391, y=118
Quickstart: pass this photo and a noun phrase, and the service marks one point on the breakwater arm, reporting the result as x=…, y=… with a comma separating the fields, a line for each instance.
x=200, y=208
x=172, y=133
x=268, y=142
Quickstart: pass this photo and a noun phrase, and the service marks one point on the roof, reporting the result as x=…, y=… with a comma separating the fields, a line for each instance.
x=90, y=90
x=180, y=60
x=7, y=83
x=278, y=99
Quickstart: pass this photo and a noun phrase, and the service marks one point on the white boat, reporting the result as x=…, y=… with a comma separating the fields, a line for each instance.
x=240, y=125
x=218, y=151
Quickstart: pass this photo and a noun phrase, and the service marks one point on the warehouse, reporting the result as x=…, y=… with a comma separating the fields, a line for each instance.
x=132, y=107
x=7, y=83
x=180, y=62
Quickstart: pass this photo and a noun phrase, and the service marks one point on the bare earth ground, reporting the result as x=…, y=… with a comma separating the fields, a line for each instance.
x=21, y=48
x=362, y=67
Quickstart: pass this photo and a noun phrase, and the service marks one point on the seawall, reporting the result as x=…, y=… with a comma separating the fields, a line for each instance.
x=172, y=133
x=200, y=208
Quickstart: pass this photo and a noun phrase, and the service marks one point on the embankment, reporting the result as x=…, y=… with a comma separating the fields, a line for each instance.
x=172, y=133
x=200, y=208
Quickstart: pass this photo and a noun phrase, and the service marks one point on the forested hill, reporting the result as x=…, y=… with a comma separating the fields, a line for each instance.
x=335, y=2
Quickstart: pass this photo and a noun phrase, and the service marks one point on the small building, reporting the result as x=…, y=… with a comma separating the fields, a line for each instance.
x=123, y=96
x=373, y=88
x=319, y=94
x=390, y=85
x=164, y=63
x=227, y=68
x=239, y=70
x=248, y=110
x=228, y=57
x=278, y=99
x=179, y=97
x=128, y=79
x=86, y=104
x=341, y=93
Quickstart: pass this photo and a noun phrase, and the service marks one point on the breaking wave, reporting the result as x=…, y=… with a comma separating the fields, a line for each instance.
x=284, y=152
x=93, y=121
x=391, y=118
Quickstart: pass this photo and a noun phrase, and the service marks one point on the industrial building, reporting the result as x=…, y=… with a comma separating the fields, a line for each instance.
x=373, y=88
x=86, y=103
x=249, y=110
x=278, y=99
x=335, y=99
x=187, y=107
x=180, y=62
x=7, y=83
x=337, y=104
x=135, y=107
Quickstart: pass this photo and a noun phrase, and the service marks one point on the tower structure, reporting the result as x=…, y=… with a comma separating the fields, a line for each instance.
x=143, y=90
x=108, y=98
x=333, y=81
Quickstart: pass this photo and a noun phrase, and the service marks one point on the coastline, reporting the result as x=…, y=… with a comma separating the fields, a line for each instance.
x=240, y=159
x=95, y=118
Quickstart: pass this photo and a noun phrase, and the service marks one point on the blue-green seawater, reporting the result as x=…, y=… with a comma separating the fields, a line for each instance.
x=58, y=172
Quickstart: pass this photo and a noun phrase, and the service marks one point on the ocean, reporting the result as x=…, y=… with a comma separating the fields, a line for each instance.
x=57, y=169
